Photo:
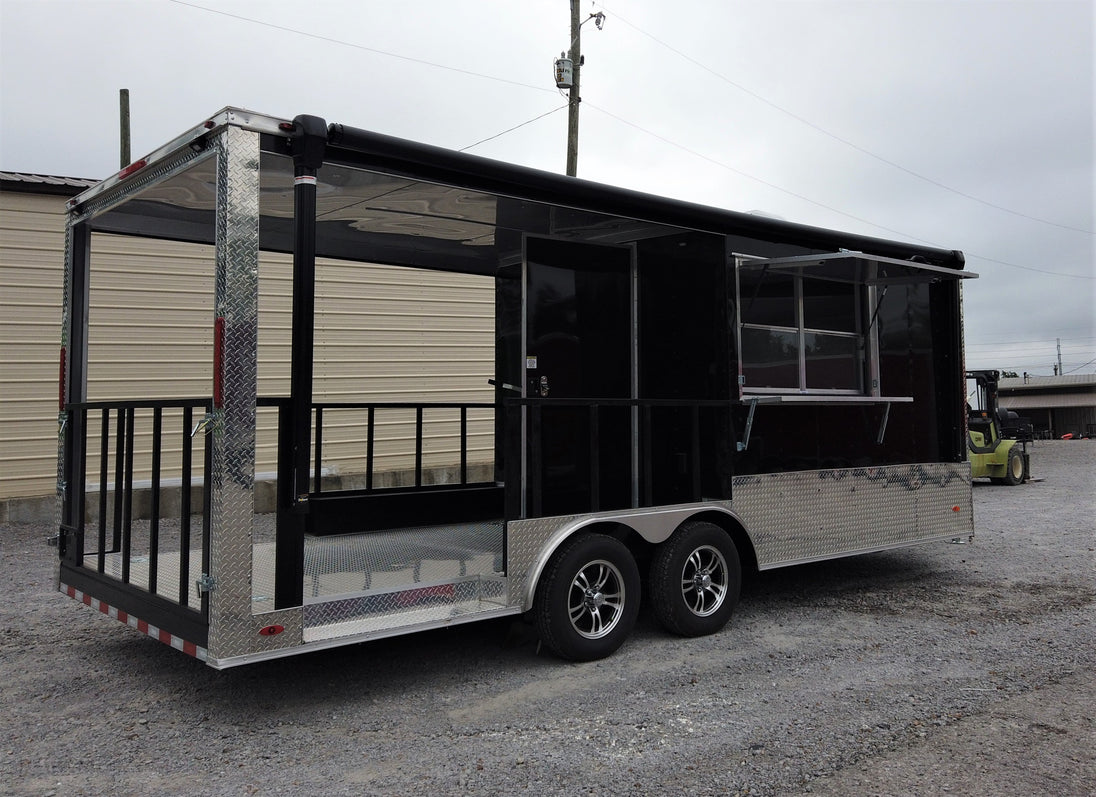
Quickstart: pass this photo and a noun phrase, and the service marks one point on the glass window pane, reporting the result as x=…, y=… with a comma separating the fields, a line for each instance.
x=833, y=362
x=829, y=305
x=770, y=358
x=766, y=298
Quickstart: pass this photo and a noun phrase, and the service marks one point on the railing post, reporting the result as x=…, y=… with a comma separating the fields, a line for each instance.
x=317, y=478
x=104, y=466
x=207, y=506
x=369, y=448
x=154, y=507
x=418, y=446
x=187, y=466
x=119, y=478
x=464, y=445
x=127, y=512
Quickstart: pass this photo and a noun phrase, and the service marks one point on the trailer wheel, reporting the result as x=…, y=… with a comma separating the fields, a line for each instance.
x=587, y=600
x=1014, y=467
x=695, y=580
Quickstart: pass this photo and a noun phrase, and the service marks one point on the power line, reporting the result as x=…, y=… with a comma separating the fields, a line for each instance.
x=362, y=47
x=1032, y=268
x=1079, y=367
x=1033, y=342
x=512, y=129
x=835, y=137
x=747, y=175
x=830, y=208
x=470, y=73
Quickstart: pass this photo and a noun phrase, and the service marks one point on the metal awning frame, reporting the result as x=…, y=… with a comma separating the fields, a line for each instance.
x=861, y=268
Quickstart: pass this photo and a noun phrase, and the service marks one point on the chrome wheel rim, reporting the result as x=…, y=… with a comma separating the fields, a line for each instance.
x=596, y=599
x=704, y=581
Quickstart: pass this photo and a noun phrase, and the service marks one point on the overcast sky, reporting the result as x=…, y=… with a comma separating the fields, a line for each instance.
x=966, y=124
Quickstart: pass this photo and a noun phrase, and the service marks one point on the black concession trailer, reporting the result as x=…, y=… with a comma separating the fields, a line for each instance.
x=678, y=392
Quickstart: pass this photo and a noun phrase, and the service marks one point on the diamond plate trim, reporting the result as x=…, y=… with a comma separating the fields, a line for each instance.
x=810, y=515
x=126, y=190
x=794, y=517
x=528, y=542
x=233, y=630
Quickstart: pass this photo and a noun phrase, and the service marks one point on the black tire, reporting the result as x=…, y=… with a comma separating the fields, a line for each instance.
x=587, y=599
x=1014, y=467
x=695, y=580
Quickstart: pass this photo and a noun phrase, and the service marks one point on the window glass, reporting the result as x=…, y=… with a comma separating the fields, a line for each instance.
x=833, y=361
x=829, y=305
x=770, y=358
x=767, y=298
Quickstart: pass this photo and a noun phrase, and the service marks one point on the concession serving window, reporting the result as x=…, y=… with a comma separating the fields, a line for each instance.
x=807, y=325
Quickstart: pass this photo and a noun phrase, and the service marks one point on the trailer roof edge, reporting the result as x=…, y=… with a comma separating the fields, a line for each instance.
x=474, y=171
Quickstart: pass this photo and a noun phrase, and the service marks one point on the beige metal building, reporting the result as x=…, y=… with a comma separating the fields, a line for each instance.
x=1055, y=405
x=395, y=341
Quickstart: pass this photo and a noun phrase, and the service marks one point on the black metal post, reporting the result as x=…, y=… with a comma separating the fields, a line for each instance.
x=187, y=466
x=317, y=473
x=74, y=390
x=289, y=550
x=370, y=447
x=418, y=446
x=464, y=445
x=154, y=497
x=308, y=143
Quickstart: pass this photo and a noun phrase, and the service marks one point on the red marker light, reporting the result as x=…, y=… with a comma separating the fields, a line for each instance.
x=218, y=362
x=136, y=166
x=272, y=630
x=61, y=382
x=957, y=509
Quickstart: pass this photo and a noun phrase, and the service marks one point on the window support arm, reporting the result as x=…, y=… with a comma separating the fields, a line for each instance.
x=745, y=441
x=883, y=424
x=875, y=313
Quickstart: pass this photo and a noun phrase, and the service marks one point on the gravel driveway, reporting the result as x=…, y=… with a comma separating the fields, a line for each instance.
x=966, y=669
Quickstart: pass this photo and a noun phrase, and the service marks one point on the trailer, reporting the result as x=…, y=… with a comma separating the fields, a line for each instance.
x=673, y=393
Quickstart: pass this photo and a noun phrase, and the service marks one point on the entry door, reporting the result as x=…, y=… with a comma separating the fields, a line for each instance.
x=579, y=373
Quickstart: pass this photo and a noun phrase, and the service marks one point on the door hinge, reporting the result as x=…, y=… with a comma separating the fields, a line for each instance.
x=207, y=422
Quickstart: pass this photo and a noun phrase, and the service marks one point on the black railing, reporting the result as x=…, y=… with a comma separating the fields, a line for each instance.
x=112, y=546
x=671, y=452
x=372, y=410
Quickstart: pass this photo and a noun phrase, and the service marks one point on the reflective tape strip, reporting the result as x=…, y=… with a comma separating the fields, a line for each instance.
x=178, y=643
x=305, y=179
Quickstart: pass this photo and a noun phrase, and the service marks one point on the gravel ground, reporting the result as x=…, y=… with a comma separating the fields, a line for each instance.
x=968, y=669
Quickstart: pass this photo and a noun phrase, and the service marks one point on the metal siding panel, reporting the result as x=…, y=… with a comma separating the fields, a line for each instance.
x=390, y=334
x=1048, y=400
x=31, y=275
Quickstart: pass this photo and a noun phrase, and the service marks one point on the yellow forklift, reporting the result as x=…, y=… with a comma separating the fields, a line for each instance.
x=996, y=437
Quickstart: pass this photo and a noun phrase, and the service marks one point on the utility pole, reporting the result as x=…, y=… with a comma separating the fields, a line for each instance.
x=123, y=107
x=1059, y=372
x=575, y=54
